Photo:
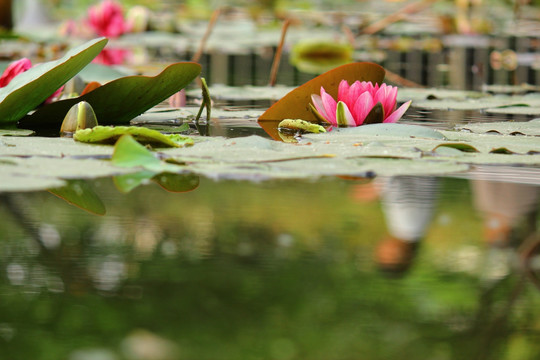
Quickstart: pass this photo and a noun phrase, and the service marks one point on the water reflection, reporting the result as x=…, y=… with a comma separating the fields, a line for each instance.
x=280, y=270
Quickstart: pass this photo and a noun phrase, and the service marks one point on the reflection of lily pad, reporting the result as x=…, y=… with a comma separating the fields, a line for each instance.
x=109, y=134
x=80, y=194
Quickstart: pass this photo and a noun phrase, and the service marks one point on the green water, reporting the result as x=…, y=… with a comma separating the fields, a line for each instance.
x=272, y=270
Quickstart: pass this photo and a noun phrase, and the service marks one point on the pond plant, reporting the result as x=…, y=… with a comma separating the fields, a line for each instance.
x=359, y=103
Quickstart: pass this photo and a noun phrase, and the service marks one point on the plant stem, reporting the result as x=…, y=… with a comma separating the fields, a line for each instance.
x=213, y=19
x=277, y=56
x=396, y=16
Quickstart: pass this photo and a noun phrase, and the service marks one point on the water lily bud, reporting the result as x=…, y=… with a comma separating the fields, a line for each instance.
x=80, y=116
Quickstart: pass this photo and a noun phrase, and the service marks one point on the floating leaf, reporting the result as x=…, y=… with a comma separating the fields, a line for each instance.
x=300, y=125
x=109, y=134
x=129, y=153
x=531, y=128
x=403, y=130
x=80, y=194
x=32, y=87
x=16, y=132
x=123, y=99
x=295, y=105
x=318, y=56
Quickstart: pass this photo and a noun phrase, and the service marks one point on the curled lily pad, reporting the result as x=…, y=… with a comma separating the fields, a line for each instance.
x=32, y=87
x=300, y=125
x=109, y=134
x=123, y=99
x=295, y=105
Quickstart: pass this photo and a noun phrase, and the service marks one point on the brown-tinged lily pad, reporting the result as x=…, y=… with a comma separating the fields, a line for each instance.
x=295, y=105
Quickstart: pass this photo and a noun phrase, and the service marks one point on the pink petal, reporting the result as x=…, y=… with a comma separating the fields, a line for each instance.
x=362, y=107
x=355, y=91
x=329, y=106
x=396, y=115
x=14, y=69
x=343, y=90
x=317, y=102
x=384, y=96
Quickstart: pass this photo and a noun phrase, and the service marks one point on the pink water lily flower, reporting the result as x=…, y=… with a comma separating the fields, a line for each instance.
x=356, y=101
x=107, y=19
x=20, y=66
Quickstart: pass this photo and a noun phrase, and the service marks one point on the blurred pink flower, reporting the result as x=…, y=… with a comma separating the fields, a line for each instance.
x=354, y=103
x=107, y=19
x=14, y=69
x=112, y=56
x=20, y=66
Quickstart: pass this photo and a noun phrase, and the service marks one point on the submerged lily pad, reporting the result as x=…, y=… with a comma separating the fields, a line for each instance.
x=109, y=134
x=32, y=87
x=123, y=99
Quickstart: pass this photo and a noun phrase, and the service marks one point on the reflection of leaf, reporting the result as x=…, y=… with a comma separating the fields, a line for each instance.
x=109, y=134
x=127, y=182
x=319, y=56
x=121, y=100
x=80, y=194
x=31, y=88
x=177, y=182
x=295, y=105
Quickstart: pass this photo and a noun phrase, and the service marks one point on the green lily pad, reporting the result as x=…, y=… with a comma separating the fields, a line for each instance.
x=32, y=87
x=128, y=153
x=248, y=92
x=318, y=56
x=103, y=73
x=109, y=134
x=16, y=132
x=403, y=130
x=531, y=128
x=123, y=99
x=80, y=194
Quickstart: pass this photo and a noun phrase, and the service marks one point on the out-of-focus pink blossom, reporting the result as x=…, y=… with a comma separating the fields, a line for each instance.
x=107, y=19
x=20, y=66
x=14, y=69
x=112, y=56
x=354, y=103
